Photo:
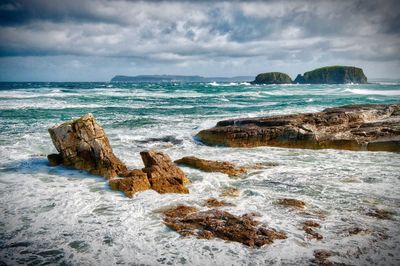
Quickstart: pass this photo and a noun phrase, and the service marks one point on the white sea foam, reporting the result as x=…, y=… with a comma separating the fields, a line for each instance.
x=75, y=215
x=374, y=92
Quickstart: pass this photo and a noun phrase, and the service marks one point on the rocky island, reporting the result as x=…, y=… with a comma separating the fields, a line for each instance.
x=333, y=75
x=353, y=127
x=272, y=78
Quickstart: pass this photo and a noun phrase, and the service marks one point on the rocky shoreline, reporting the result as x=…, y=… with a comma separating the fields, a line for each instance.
x=82, y=144
x=354, y=127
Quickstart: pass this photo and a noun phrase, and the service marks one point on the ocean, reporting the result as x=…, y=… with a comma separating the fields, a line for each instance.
x=56, y=215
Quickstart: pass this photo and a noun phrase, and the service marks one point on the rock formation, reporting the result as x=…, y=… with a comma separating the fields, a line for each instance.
x=163, y=174
x=212, y=223
x=133, y=181
x=353, y=127
x=333, y=75
x=84, y=145
x=213, y=166
x=272, y=78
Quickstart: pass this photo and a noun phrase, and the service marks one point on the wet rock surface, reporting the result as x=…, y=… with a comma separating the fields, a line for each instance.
x=164, y=176
x=291, y=203
x=380, y=214
x=228, y=168
x=213, y=202
x=83, y=144
x=353, y=127
x=230, y=192
x=54, y=159
x=133, y=181
x=213, y=223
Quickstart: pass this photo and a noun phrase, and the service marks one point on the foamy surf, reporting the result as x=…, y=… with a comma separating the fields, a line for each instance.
x=57, y=215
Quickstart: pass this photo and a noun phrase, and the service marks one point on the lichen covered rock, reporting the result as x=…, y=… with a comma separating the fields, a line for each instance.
x=84, y=145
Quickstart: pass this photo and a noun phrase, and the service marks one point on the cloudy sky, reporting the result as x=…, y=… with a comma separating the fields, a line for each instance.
x=88, y=40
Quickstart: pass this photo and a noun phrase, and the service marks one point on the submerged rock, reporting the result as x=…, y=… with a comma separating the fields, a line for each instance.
x=230, y=192
x=212, y=202
x=163, y=174
x=292, y=203
x=228, y=168
x=333, y=75
x=215, y=223
x=353, y=127
x=380, y=214
x=133, y=181
x=272, y=78
x=84, y=145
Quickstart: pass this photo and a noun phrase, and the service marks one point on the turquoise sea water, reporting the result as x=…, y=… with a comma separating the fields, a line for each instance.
x=58, y=215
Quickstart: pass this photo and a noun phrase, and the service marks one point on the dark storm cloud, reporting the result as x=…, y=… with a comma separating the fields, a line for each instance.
x=205, y=32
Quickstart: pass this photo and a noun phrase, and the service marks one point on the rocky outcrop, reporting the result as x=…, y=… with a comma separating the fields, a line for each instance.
x=272, y=78
x=221, y=224
x=84, y=145
x=164, y=176
x=228, y=168
x=133, y=181
x=333, y=75
x=353, y=127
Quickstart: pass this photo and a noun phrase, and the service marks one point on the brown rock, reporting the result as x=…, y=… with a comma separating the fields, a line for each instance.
x=353, y=127
x=212, y=202
x=380, y=214
x=357, y=231
x=230, y=192
x=311, y=224
x=311, y=233
x=221, y=224
x=134, y=181
x=291, y=203
x=54, y=159
x=84, y=145
x=213, y=166
x=163, y=174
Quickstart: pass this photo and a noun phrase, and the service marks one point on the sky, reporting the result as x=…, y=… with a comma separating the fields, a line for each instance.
x=93, y=40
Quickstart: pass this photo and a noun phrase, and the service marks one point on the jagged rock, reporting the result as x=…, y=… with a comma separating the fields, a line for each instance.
x=272, y=78
x=228, y=168
x=215, y=223
x=83, y=144
x=163, y=174
x=133, y=181
x=352, y=127
x=54, y=159
x=291, y=203
x=333, y=75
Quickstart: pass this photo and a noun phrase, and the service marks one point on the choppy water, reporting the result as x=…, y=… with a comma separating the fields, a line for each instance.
x=62, y=216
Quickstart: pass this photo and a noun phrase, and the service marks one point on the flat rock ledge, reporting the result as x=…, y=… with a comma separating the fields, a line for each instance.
x=352, y=127
x=213, y=223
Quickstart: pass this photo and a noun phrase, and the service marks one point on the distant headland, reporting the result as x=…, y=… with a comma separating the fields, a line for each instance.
x=323, y=75
x=178, y=78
